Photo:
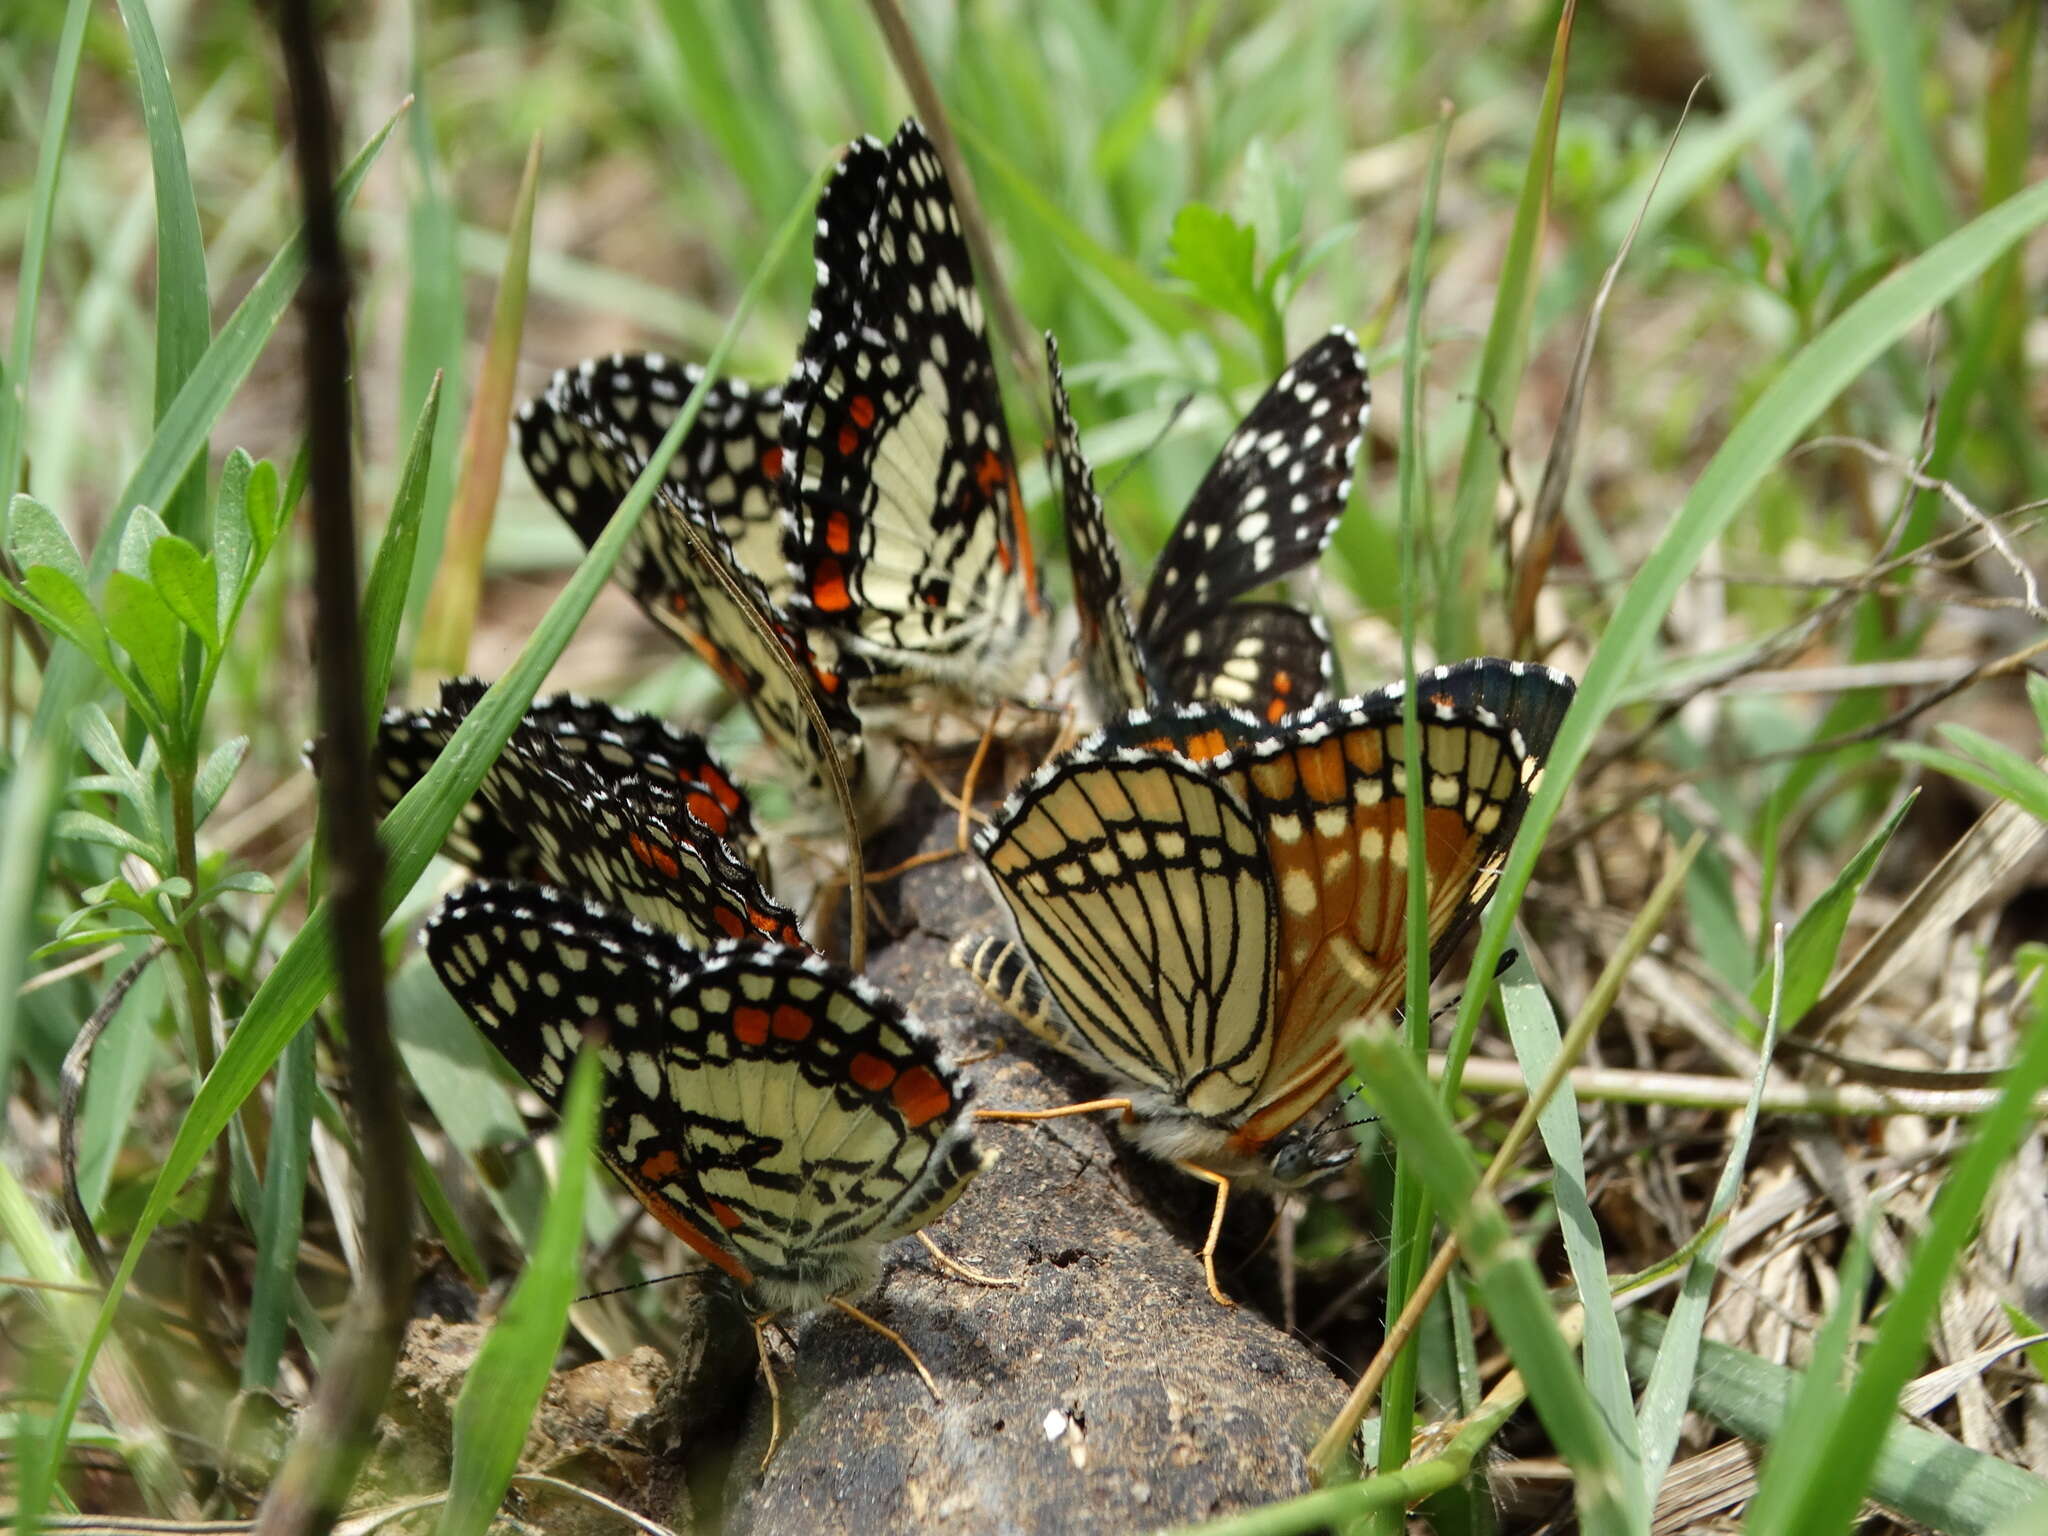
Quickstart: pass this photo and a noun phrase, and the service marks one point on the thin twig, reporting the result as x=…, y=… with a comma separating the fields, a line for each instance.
x=335, y=1431
x=71, y=1090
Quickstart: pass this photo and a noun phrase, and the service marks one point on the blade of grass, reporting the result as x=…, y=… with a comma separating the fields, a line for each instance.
x=1817, y=373
x=1817, y=935
x=1829, y=1504
x=1411, y=1214
x=430, y=355
x=302, y=978
x=1924, y=1474
x=184, y=318
x=512, y=1367
x=1888, y=35
x=1670, y=1377
x=1460, y=570
x=1503, y=1270
x=391, y=572
x=277, y=1226
x=442, y=649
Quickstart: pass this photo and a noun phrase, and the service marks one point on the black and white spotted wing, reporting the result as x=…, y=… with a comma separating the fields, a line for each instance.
x=575, y=817
x=584, y=460
x=777, y=1113
x=909, y=539
x=1267, y=506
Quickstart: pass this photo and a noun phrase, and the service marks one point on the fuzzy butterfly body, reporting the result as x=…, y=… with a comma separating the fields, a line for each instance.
x=781, y=1116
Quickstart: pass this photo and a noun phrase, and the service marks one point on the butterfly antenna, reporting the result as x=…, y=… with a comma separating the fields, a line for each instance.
x=1173, y=416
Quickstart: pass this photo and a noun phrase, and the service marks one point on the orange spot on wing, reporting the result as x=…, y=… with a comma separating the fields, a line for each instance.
x=771, y=463
x=991, y=472
x=720, y=786
x=730, y=922
x=708, y=811
x=838, y=533
x=791, y=1022
x=728, y=1218
x=862, y=410
x=664, y=1164
x=1322, y=771
x=849, y=441
x=921, y=1096
x=828, y=587
x=700, y=1242
x=750, y=1025
x=1204, y=745
x=870, y=1071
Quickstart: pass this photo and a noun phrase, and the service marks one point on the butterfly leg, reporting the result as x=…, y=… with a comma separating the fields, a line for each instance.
x=760, y=1325
x=894, y=1338
x=1061, y=1113
x=1215, y=1227
x=963, y=839
x=961, y=1271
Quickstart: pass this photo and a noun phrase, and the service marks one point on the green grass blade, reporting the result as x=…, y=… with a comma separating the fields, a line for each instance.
x=278, y=1219
x=1888, y=35
x=1459, y=582
x=1412, y=1216
x=1828, y=1504
x=511, y=1369
x=442, y=649
x=1925, y=1475
x=1671, y=1374
x=184, y=317
x=1532, y=1028
x=1817, y=936
x=1503, y=1270
x=1804, y=388
x=29, y=281
x=303, y=977
x=391, y=572
x=430, y=356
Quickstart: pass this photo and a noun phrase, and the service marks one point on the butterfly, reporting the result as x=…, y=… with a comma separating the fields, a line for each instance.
x=1202, y=932
x=782, y=1117
x=1267, y=506
x=587, y=438
x=619, y=807
x=908, y=539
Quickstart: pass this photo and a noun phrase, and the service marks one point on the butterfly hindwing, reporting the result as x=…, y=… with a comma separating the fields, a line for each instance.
x=776, y=1112
x=1270, y=660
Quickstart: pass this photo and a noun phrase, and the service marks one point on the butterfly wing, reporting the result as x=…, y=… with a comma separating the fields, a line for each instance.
x=1272, y=498
x=1329, y=797
x=1138, y=888
x=781, y=1115
x=545, y=813
x=1109, y=638
x=908, y=537
x=1268, y=659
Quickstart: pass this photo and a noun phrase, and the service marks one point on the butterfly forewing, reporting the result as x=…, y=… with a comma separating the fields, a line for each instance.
x=1109, y=638
x=908, y=533
x=1138, y=888
x=1270, y=501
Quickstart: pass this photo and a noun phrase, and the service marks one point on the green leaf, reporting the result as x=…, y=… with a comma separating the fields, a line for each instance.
x=184, y=578
x=250, y=882
x=56, y=602
x=512, y=1368
x=102, y=743
x=266, y=506
x=138, y=536
x=216, y=774
x=1816, y=939
x=37, y=536
x=2037, y=695
x=144, y=626
x=1218, y=258
x=232, y=538
x=278, y=1216
x=86, y=827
